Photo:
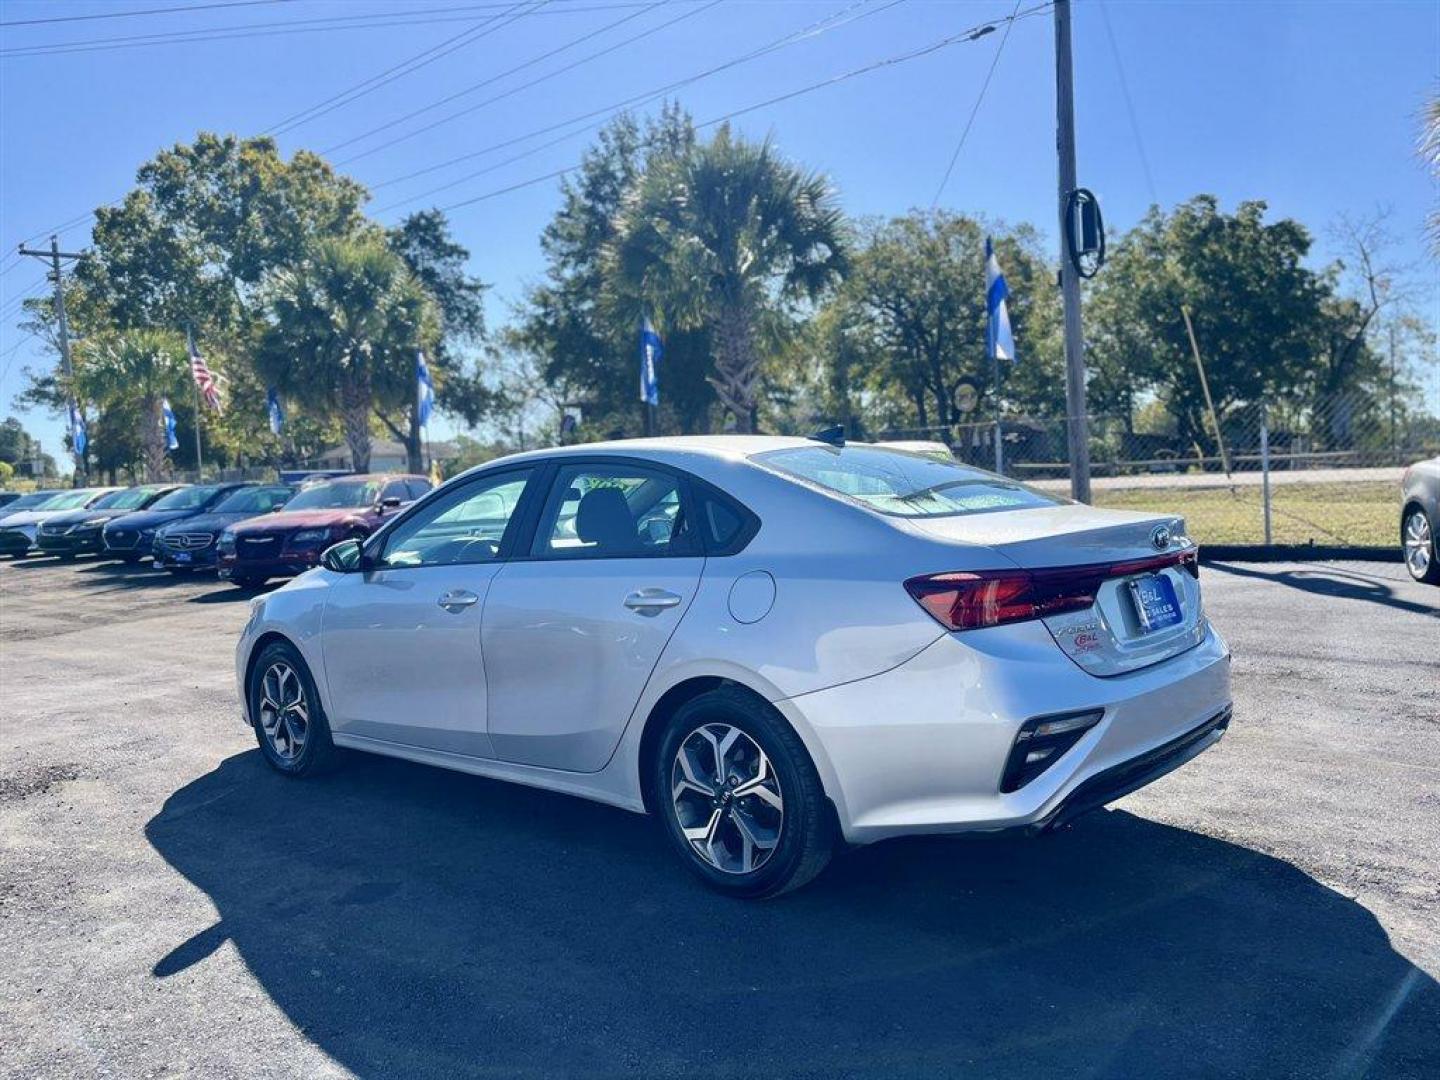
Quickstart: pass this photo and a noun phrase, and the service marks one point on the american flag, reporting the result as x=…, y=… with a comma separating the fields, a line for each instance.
x=203, y=376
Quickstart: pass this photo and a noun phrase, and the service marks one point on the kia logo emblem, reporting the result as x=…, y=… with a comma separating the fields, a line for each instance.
x=1160, y=537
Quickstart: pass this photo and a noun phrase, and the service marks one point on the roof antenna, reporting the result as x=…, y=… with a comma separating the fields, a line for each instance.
x=833, y=436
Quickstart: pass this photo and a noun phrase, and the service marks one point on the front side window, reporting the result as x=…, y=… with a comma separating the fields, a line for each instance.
x=903, y=484
x=465, y=526
x=613, y=512
x=71, y=500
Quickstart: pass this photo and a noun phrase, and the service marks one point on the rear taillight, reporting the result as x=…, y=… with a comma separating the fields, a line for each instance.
x=970, y=599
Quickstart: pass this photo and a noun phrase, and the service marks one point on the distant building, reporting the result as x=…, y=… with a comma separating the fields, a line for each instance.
x=386, y=455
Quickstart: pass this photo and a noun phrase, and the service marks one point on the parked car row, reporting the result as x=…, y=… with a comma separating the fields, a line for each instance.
x=249, y=532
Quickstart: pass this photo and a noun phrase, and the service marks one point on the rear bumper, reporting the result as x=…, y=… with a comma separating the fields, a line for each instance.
x=1120, y=780
x=922, y=748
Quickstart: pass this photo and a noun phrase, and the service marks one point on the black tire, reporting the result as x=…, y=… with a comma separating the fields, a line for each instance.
x=806, y=832
x=131, y=560
x=316, y=752
x=1431, y=573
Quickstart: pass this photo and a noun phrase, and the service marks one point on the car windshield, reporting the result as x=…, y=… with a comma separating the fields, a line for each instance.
x=129, y=499
x=903, y=484
x=70, y=500
x=336, y=495
x=253, y=500
x=188, y=498
x=33, y=501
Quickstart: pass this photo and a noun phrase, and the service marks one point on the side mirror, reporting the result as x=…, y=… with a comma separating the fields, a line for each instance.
x=277, y=508
x=391, y=503
x=346, y=557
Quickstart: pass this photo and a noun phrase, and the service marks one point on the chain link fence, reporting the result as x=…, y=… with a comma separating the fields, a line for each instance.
x=1324, y=473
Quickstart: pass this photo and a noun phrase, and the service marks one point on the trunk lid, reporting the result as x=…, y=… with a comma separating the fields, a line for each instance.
x=1110, y=637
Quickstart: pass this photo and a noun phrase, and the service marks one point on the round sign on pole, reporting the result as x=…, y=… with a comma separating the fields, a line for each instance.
x=966, y=397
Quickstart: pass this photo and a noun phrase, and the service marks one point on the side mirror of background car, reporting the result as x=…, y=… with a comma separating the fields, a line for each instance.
x=389, y=504
x=346, y=557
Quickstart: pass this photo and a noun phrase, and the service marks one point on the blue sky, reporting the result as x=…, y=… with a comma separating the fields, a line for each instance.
x=1312, y=106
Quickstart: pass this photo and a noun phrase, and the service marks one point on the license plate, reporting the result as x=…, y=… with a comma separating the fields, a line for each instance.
x=182, y=556
x=1156, y=605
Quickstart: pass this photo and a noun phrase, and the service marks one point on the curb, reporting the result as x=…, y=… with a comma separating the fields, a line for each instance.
x=1297, y=553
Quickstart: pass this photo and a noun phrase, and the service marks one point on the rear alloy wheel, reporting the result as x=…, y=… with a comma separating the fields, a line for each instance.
x=1418, y=536
x=739, y=796
x=289, y=724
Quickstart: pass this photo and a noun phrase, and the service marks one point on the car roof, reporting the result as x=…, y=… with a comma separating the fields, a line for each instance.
x=667, y=447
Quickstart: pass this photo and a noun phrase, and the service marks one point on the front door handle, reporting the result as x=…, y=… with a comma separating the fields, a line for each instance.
x=651, y=601
x=457, y=600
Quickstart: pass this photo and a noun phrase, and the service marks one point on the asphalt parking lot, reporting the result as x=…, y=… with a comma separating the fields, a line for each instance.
x=169, y=907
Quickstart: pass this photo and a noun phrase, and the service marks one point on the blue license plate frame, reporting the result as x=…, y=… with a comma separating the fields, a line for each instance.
x=1157, y=605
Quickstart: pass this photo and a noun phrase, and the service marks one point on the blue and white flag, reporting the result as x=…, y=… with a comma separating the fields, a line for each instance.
x=167, y=416
x=999, y=343
x=424, y=389
x=277, y=414
x=651, y=350
x=78, y=436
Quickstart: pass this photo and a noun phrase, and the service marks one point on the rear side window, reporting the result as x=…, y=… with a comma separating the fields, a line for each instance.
x=725, y=525
x=902, y=484
x=417, y=488
x=613, y=511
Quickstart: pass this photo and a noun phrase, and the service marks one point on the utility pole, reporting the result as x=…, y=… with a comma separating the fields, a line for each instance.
x=54, y=257
x=1076, y=425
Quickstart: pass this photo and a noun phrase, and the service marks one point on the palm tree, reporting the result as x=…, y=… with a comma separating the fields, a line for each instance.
x=134, y=371
x=1430, y=155
x=341, y=333
x=728, y=236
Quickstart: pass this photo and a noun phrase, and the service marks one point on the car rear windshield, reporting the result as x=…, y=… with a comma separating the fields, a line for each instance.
x=903, y=484
x=186, y=498
x=336, y=495
x=253, y=500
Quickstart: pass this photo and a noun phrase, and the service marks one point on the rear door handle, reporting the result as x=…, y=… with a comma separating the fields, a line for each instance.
x=457, y=600
x=651, y=601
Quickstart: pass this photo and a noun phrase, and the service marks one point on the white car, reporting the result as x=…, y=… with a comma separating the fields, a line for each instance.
x=20, y=520
x=771, y=644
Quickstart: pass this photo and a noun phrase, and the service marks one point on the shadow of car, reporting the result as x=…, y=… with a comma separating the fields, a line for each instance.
x=461, y=926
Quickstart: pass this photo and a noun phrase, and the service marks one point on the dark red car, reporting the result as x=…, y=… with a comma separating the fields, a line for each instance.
x=290, y=541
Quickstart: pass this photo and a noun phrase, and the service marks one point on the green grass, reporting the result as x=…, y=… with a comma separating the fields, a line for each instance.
x=1363, y=513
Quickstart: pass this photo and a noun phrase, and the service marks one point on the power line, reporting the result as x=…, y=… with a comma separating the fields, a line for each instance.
x=184, y=10
x=822, y=26
x=397, y=71
x=517, y=89
x=975, y=110
x=1129, y=105
x=287, y=27
x=891, y=61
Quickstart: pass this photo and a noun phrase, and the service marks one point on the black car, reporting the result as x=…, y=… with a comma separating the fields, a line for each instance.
x=79, y=532
x=189, y=544
x=132, y=537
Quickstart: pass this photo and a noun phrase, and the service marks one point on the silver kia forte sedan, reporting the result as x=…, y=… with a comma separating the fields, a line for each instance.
x=771, y=644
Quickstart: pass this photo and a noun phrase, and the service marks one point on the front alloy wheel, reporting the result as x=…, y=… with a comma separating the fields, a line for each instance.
x=284, y=711
x=1418, y=537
